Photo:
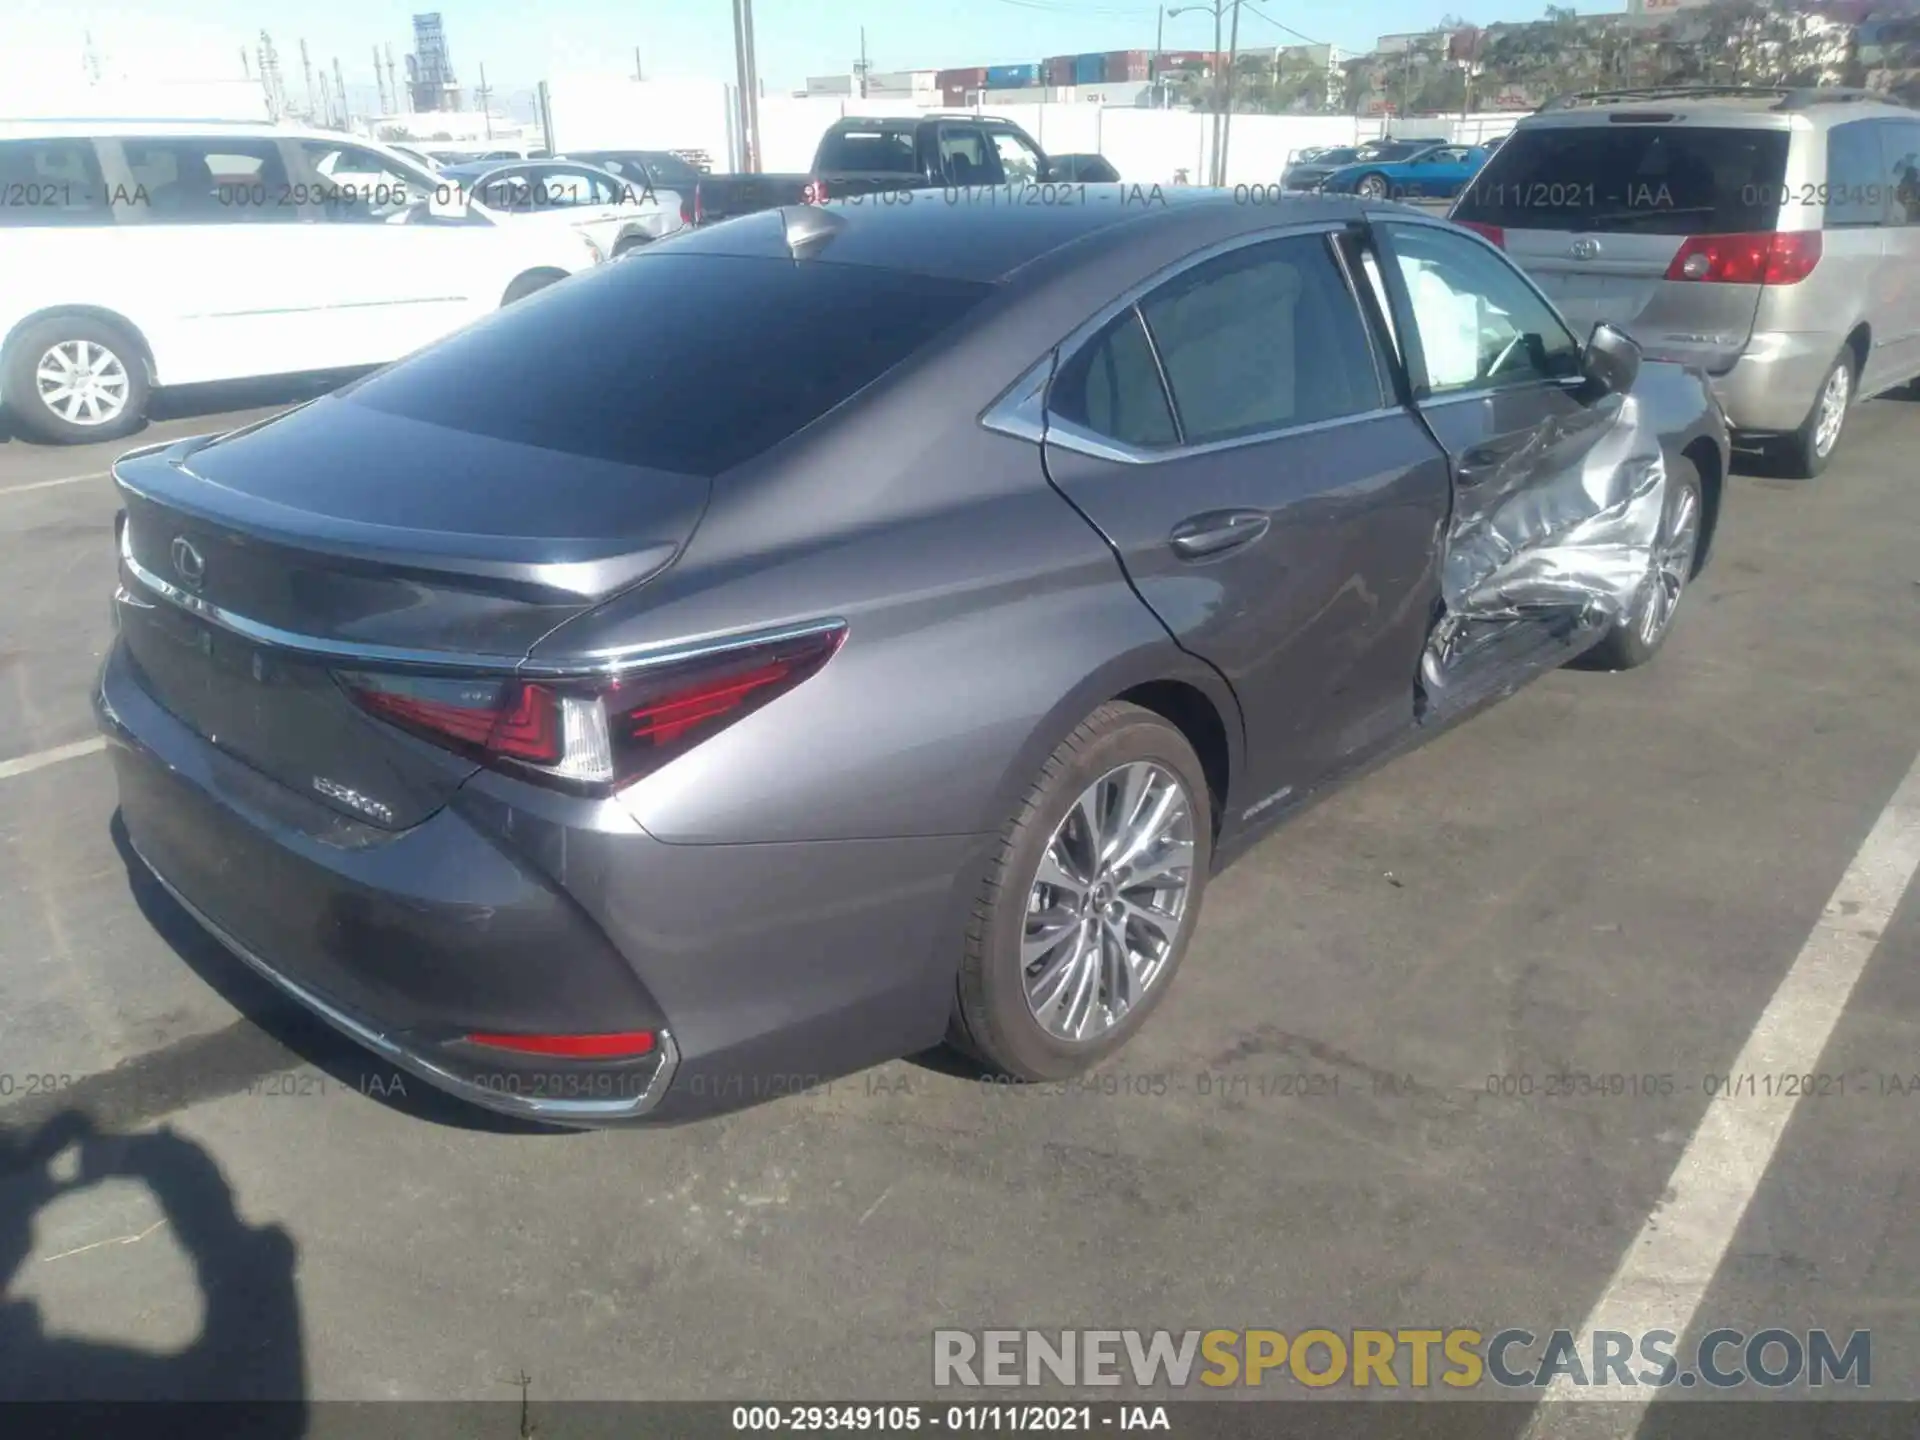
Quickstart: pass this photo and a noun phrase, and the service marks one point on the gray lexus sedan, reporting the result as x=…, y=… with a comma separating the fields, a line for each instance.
x=603, y=729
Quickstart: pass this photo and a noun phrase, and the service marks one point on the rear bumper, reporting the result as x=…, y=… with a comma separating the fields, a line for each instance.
x=1771, y=387
x=762, y=969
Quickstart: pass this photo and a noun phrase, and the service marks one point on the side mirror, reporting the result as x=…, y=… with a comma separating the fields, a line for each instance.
x=1611, y=360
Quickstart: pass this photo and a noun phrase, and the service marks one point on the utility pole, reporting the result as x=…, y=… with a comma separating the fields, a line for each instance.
x=637, y=75
x=306, y=69
x=1226, y=111
x=379, y=81
x=402, y=102
x=753, y=92
x=484, y=94
x=341, y=86
x=1159, y=44
x=861, y=67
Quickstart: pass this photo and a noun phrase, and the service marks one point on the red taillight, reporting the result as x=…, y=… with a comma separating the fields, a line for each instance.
x=518, y=721
x=1489, y=232
x=595, y=733
x=687, y=211
x=624, y=1045
x=815, y=193
x=1768, y=258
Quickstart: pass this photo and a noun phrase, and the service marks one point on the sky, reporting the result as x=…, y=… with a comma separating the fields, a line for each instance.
x=524, y=41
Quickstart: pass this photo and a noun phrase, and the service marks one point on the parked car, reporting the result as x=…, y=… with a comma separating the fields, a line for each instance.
x=612, y=213
x=419, y=157
x=1415, y=172
x=600, y=728
x=146, y=254
x=1313, y=165
x=704, y=199
x=1769, y=236
x=1081, y=170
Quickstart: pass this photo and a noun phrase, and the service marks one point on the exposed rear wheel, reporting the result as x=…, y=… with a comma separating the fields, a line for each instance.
x=1090, y=902
x=71, y=380
x=1639, y=636
x=1371, y=186
x=1809, y=448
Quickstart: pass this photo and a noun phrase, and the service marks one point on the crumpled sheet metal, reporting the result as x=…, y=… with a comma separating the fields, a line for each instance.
x=1584, y=539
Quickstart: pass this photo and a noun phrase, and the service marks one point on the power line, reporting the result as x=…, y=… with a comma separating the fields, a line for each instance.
x=1278, y=26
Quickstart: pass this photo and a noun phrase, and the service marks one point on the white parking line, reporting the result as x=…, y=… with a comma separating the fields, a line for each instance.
x=1664, y=1275
x=39, y=760
x=49, y=484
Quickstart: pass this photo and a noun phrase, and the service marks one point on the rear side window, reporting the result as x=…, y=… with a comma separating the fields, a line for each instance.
x=1262, y=338
x=208, y=182
x=1112, y=387
x=690, y=363
x=1856, y=192
x=1641, y=179
x=51, y=182
x=1900, y=157
x=854, y=150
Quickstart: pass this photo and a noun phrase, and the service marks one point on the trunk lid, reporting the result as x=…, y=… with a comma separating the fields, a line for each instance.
x=258, y=565
x=1595, y=213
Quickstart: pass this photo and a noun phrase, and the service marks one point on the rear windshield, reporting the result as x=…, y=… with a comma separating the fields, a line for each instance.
x=1643, y=179
x=1389, y=151
x=691, y=363
x=855, y=150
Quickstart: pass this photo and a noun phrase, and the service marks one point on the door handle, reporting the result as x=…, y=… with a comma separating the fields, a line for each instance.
x=1217, y=531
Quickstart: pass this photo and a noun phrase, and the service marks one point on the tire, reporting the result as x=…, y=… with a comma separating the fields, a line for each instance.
x=627, y=246
x=994, y=1019
x=1637, y=639
x=117, y=391
x=526, y=284
x=1805, y=453
x=1373, y=186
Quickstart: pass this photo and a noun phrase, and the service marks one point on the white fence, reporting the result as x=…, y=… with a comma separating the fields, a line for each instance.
x=593, y=112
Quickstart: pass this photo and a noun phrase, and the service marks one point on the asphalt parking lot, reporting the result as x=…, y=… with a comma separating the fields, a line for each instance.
x=1609, y=876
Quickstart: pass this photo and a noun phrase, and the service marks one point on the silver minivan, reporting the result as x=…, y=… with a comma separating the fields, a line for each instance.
x=1769, y=236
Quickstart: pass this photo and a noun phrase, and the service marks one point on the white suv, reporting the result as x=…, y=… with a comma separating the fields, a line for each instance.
x=140, y=254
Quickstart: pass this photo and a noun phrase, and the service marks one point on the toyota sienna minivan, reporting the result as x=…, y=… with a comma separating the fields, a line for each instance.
x=1769, y=236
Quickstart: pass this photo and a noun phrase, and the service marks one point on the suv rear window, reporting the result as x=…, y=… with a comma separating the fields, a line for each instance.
x=691, y=363
x=852, y=151
x=1638, y=179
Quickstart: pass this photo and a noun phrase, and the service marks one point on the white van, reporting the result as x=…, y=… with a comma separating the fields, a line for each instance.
x=140, y=254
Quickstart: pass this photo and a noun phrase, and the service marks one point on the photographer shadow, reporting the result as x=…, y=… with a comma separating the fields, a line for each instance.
x=250, y=1346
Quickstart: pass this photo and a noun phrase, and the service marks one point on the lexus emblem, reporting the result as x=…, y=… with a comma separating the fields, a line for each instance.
x=187, y=563
x=1585, y=248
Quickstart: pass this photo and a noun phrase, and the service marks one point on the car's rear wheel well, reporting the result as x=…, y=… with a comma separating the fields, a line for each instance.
x=1860, y=342
x=1705, y=456
x=86, y=312
x=529, y=281
x=1194, y=716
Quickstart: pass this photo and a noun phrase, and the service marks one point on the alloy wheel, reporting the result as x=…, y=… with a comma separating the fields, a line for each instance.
x=1672, y=565
x=1105, y=907
x=1834, y=396
x=82, y=382
x=1372, y=187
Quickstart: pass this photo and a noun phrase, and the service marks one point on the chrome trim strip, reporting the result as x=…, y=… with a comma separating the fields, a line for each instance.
x=526, y=1106
x=1021, y=410
x=1071, y=437
x=599, y=663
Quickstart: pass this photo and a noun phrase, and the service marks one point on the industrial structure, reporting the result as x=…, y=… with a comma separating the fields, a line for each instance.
x=430, y=78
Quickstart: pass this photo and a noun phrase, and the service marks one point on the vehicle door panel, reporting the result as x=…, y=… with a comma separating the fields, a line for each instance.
x=1497, y=378
x=238, y=266
x=1317, y=620
x=395, y=277
x=1897, y=297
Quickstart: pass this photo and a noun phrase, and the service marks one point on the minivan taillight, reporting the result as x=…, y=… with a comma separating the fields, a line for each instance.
x=1487, y=232
x=594, y=733
x=1773, y=257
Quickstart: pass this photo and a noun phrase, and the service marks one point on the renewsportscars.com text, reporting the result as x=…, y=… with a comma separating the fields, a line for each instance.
x=1401, y=1358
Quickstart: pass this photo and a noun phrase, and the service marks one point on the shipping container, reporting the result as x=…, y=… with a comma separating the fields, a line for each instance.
x=1125, y=65
x=954, y=97
x=1172, y=62
x=972, y=78
x=1089, y=69
x=903, y=80
x=1011, y=77
x=1059, y=70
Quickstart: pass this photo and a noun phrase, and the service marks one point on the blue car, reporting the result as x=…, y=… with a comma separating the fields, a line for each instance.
x=1411, y=171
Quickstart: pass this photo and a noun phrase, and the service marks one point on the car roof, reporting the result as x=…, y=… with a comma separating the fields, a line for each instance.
x=1744, y=106
x=939, y=232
